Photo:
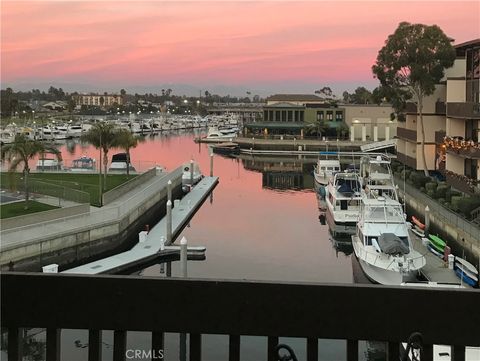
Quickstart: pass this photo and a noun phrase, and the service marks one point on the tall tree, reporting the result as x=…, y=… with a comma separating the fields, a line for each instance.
x=413, y=60
x=317, y=127
x=124, y=139
x=21, y=151
x=102, y=136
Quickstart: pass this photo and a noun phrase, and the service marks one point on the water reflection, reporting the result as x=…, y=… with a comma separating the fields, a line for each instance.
x=264, y=222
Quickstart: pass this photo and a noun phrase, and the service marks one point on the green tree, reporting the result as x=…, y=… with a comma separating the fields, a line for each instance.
x=102, y=136
x=361, y=96
x=317, y=127
x=412, y=62
x=21, y=151
x=124, y=139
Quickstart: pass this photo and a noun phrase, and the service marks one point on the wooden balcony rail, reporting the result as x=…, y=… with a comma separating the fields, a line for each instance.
x=333, y=311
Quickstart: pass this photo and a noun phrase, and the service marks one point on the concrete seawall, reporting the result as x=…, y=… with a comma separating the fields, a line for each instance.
x=448, y=225
x=45, y=216
x=81, y=238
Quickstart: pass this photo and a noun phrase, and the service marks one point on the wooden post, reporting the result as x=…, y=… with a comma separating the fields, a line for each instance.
x=94, y=345
x=15, y=344
x=119, y=345
x=191, y=172
x=53, y=344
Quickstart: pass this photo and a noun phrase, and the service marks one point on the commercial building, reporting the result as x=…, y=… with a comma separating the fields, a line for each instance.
x=370, y=121
x=98, y=100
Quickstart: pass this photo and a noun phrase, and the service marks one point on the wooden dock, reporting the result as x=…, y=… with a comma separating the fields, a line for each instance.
x=150, y=248
x=435, y=270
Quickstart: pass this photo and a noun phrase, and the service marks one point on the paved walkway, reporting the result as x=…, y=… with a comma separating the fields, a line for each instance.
x=15, y=237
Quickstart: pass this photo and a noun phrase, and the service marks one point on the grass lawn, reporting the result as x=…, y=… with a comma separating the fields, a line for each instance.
x=88, y=183
x=18, y=208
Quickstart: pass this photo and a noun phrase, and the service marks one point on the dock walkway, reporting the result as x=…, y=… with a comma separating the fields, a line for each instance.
x=435, y=269
x=150, y=248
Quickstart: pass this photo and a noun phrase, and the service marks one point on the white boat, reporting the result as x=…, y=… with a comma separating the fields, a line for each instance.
x=343, y=198
x=187, y=175
x=83, y=164
x=382, y=243
x=7, y=137
x=325, y=169
x=75, y=130
x=49, y=164
x=377, y=179
x=119, y=164
x=215, y=133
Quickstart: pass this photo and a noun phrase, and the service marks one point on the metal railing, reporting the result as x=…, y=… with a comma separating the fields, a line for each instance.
x=310, y=311
x=445, y=214
x=14, y=237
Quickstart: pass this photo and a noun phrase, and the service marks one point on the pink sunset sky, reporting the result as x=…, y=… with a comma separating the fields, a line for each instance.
x=261, y=46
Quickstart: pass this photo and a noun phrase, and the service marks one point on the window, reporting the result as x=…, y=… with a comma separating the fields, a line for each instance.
x=338, y=116
x=320, y=115
x=330, y=115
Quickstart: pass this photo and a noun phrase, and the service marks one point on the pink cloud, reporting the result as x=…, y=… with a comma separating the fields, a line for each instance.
x=225, y=42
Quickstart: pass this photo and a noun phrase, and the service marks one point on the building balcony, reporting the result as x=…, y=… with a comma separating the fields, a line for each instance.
x=440, y=136
x=408, y=161
x=411, y=108
x=466, y=110
x=461, y=182
x=440, y=108
x=234, y=308
x=463, y=148
x=407, y=134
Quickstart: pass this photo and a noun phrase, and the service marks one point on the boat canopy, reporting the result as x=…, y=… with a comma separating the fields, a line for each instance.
x=390, y=244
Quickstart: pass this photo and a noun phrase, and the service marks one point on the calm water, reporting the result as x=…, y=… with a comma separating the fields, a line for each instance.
x=262, y=224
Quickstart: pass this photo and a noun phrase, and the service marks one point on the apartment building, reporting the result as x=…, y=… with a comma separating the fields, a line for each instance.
x=451, y=123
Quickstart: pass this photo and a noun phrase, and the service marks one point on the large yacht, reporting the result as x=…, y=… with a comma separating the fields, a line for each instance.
x=382, y=242
x=325, y=169
x=343, y=198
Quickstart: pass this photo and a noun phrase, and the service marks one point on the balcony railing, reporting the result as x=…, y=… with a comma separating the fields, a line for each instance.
x=440, y=108
x=408, y=161
x=312, y=311
x=408, y=134
x=460, y=182
x=463, y=110
x=439, y=136
x=411, y=108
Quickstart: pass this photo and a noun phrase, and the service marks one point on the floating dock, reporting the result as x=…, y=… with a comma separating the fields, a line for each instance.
x=435, y=269
x=151, y=247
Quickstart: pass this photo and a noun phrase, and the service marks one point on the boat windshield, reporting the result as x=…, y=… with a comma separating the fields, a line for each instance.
x=382, y=213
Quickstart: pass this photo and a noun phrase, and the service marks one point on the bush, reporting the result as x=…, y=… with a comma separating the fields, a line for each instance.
x=456, y=202
x=467, y=205
x=419, y=179
x=441, y=192
x=431, y=186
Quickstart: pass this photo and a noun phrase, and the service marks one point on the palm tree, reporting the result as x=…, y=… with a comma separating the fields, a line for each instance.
x=317, y=127
x=101, y=136
x=21, y=151
x=124, y=139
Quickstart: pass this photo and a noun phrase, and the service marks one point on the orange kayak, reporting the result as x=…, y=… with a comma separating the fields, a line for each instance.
x=417, y=222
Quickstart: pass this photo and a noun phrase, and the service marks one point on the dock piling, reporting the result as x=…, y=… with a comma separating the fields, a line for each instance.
x=169, y=222
x=191, y=172
x=427, y=220
x=183, y=256
x=169, y=190
x=211, y=165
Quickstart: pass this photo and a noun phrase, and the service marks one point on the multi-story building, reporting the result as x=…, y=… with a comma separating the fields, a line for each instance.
x=451, y=122
x=98, y=100
x=463, y=119
x=292, y=113
x=370, y=121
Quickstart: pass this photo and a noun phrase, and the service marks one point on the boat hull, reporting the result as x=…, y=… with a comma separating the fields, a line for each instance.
x=385, y=277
